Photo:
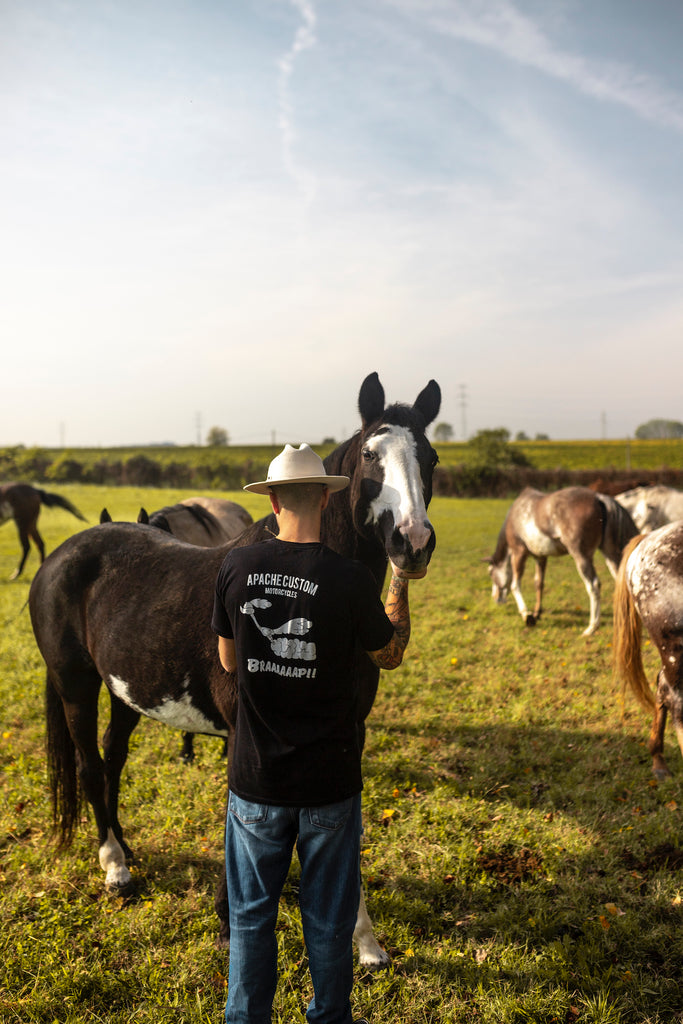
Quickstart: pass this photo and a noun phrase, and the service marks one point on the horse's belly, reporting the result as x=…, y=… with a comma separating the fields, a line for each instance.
x=177, y=711
x=540, y=544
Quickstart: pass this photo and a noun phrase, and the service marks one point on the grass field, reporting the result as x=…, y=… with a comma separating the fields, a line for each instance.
x=521, y=863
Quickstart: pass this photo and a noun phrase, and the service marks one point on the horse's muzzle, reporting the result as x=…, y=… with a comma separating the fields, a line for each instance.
x=412, y=561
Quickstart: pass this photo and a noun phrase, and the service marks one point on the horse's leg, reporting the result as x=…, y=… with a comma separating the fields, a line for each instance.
x=187, y=747
x=81, y=717
x=655, y=745
x=38, y=541
x=370, y=953
x=23, y=540
x=587, y=572
x=539, y=580
x=115, y=745
x=518, y=561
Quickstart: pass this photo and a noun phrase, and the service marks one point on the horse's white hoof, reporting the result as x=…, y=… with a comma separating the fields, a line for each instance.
x=377, y=960
x=119, y=889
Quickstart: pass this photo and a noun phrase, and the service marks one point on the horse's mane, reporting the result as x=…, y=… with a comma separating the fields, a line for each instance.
x=160, y=519
x=501, y=549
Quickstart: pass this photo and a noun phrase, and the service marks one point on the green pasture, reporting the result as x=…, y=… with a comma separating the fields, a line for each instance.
x=521, y=864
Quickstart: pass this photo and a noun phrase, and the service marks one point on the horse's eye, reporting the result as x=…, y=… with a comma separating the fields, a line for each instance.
x=368, y=455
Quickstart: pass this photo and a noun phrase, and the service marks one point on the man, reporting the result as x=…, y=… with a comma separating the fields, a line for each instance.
x=291, y=616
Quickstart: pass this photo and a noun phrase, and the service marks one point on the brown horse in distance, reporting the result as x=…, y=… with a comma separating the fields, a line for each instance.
x=572, y=521
x=22, y=503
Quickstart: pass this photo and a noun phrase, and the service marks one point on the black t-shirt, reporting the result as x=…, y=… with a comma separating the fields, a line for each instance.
x=299, y=615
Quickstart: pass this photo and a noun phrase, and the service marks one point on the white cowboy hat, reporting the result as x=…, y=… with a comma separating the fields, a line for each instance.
x=297, y=466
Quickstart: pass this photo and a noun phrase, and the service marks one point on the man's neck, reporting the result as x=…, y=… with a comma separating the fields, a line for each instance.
x=298, y=530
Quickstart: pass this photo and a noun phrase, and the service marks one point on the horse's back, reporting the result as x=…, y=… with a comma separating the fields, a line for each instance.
x=231, y=518
x=654, y=573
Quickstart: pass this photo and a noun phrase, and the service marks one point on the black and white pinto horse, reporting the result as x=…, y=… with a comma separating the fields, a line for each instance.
x=132, y=606
x=574, y=521
x=652, y=507
x=649, y=592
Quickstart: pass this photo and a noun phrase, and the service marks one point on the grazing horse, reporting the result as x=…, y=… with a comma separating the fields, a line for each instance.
x=652, y=507
x=649, y=592
x=207, y=522
x=22, y=502
x=574, y=521
x=132, y=606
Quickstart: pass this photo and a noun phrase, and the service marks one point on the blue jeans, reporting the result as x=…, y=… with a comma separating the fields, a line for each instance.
x=259, y=840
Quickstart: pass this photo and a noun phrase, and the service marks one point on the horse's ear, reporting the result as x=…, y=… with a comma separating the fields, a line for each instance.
x=143, y=517
x=428, y=402
x=104, y=516
x=371, y=399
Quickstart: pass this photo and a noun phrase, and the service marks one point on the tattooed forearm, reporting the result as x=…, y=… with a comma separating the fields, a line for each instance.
x=398, y=611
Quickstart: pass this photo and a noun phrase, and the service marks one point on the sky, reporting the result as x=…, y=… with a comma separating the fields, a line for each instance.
x=229, y=213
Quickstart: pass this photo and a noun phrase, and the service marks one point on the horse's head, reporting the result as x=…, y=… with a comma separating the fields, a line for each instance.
x=391, y=484
x=501, y=578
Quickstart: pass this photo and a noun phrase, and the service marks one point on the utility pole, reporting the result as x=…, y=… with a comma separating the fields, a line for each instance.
x=463, y=409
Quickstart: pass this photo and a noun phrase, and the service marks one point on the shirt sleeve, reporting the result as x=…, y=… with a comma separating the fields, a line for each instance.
x=374, y=627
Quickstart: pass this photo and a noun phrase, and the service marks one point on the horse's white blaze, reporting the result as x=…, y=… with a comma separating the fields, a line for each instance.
x=179, y=714
x=113, y=862
x=370, y=953
x=401, y=492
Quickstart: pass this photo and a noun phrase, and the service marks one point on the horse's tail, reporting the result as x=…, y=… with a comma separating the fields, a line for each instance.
x=67, y=797
x=617, y=530
x=52, y=500
x=627, y=659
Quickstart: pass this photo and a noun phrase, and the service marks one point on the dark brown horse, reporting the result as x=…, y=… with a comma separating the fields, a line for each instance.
x=649, y=592
x=22, y=502
x=132, y=606
x=207, y=522
x=573, y=521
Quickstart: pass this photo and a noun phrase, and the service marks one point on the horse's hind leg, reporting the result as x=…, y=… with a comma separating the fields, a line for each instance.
x=81, y=717
x=38, y=541
x=115, y=745
x=655, y=745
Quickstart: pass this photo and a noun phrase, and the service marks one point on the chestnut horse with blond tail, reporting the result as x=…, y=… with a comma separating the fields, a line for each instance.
x=649, y=592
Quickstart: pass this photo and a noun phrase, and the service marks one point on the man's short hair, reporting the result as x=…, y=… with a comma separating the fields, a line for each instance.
x=298, y=497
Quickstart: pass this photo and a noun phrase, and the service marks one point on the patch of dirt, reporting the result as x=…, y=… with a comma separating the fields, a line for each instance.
x=509, y=865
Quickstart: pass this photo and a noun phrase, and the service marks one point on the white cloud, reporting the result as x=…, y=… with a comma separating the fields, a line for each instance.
x=500, y=26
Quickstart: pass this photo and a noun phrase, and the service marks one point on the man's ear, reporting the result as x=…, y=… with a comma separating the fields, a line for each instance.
x=275, y=504
x=325, y=497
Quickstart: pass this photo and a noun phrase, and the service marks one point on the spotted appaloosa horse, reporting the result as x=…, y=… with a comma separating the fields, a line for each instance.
x=574, y=521
x=22, y=503
x=652, y=507
x=649, y=591
x=132, y=606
